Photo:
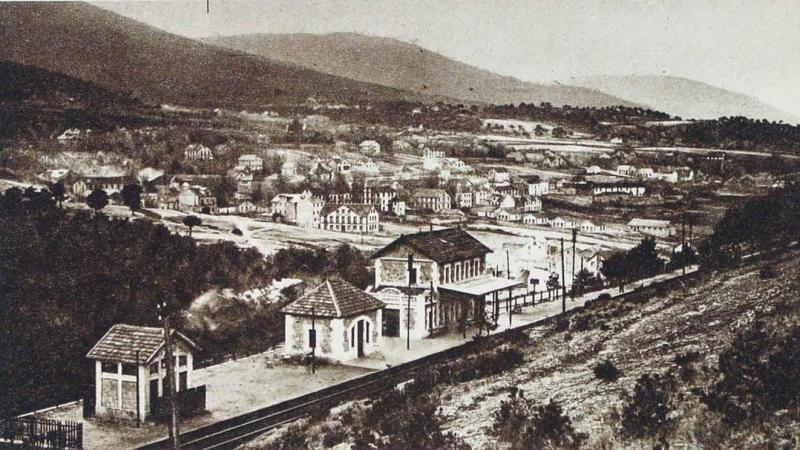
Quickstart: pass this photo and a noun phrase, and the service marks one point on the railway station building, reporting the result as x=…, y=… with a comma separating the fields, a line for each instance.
x=435, y=281
x=345, y=320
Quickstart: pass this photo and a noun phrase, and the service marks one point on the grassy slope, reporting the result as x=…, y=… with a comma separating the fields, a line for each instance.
x=639, y=339
x=390, y=62
x=129, y=57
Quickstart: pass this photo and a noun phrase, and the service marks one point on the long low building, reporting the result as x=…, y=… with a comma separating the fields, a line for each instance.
x=652, y=227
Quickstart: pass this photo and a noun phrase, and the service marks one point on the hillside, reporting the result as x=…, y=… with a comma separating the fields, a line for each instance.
x=683, y=97
x=390, y=62
x=126, y=56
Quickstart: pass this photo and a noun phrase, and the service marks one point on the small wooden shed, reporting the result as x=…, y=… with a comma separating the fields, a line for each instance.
x=130, y=369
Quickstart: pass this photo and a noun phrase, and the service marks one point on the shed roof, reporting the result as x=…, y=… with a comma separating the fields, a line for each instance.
x=653, y=223
x=122, y=341
x=333, y=298
x=442, y=246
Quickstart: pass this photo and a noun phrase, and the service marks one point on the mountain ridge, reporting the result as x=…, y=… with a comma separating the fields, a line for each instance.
x=130, y=57
x=685, y=97
x=392, y=62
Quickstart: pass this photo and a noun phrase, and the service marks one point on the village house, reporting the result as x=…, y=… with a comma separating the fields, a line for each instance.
x=625, y=188
x=167, y=201
x=506, y=215
x=321, y=172
x=499, y=176
x=464, y=199
x=369, y=166
x=198, y=152
x=589, y=259
x=533, y=185
x=130, y=370
x=645, y=173
x=430, y=200
x=626, y=170
x=253, y=162
x=352, y=218
x=288, y=169
x=593, y=170
x=432, y=159
x=381, y=197
x=532, y=204
x=447, y=283
x=667, y=175
x=561, y=222
x=336, y=320
x=652, y=227
x=398, y=207
x=109, y=182
x=197, y=199
x=369, y=148
x=300, y=209
x=532, y=219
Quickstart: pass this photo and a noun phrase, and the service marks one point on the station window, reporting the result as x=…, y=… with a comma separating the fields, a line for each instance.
x=109, y=367
x=129, y=369
x=182, y=361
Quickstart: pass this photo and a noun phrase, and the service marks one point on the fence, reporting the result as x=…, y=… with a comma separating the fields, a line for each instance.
x=39, y=433
x=190, y=401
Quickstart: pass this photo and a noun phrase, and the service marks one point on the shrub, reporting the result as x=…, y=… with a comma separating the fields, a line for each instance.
x=236, y=231
x=333, y=435
x=767, y=272
x=604, y=296
x=646, y=413
x=607, y=371
x=526, y=425
x=683, y=359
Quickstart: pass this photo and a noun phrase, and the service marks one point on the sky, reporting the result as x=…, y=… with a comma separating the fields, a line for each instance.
x=752, y=47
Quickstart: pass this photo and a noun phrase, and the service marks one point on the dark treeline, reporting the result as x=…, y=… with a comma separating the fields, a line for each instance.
x=760, y=223
x=67, y=276
x=587, y=118
x=730, y=133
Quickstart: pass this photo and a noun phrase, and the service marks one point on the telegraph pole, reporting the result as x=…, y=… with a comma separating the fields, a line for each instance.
x=683, y=244
x=563, y=284
x=313, y=342
x=508, y=266
x=174, y=433
x=138, y=397
x=408, y=306
x=574, y=238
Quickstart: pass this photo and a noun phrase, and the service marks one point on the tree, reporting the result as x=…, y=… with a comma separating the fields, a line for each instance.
x=59, y=192
x=132, y=197
x=257, y=196
x=582, y=279
x=97, y=200
x=192, y=221
x=552, y=284
x=526, y=425
x=224, y=189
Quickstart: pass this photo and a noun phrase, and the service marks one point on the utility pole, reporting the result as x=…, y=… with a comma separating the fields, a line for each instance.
x=408, y=306
x=683, y=244
x=563, y=284
x=508, y=266
x=174, y=433
x=313, y=341
x=138, y=397
x=572, y=284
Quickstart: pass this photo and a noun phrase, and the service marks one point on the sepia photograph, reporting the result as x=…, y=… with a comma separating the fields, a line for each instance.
x=400, y=224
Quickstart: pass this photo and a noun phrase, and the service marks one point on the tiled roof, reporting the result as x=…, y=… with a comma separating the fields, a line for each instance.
x=654, y=223
x=122, y=341
x=442, y=246
x=333, y=298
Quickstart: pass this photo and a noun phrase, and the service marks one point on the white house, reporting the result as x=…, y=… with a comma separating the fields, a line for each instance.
x=653, y=227
x=198, y=152
x=533, y=204
x=350, y=218
x=532, y=219
x=626, y=170
x=341, y=321
x=370, y=148
x=130, y=369
x=255, y=163
x=431, y=199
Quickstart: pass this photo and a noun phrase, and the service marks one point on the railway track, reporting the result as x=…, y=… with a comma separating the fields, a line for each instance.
x=232, y=432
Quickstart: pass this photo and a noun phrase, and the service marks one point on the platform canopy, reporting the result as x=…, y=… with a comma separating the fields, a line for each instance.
x=481, y=286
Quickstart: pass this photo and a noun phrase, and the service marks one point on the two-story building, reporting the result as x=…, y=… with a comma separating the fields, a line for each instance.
x=253, y=162
x=441, y=275
x=353, y=218
x=431, y=200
